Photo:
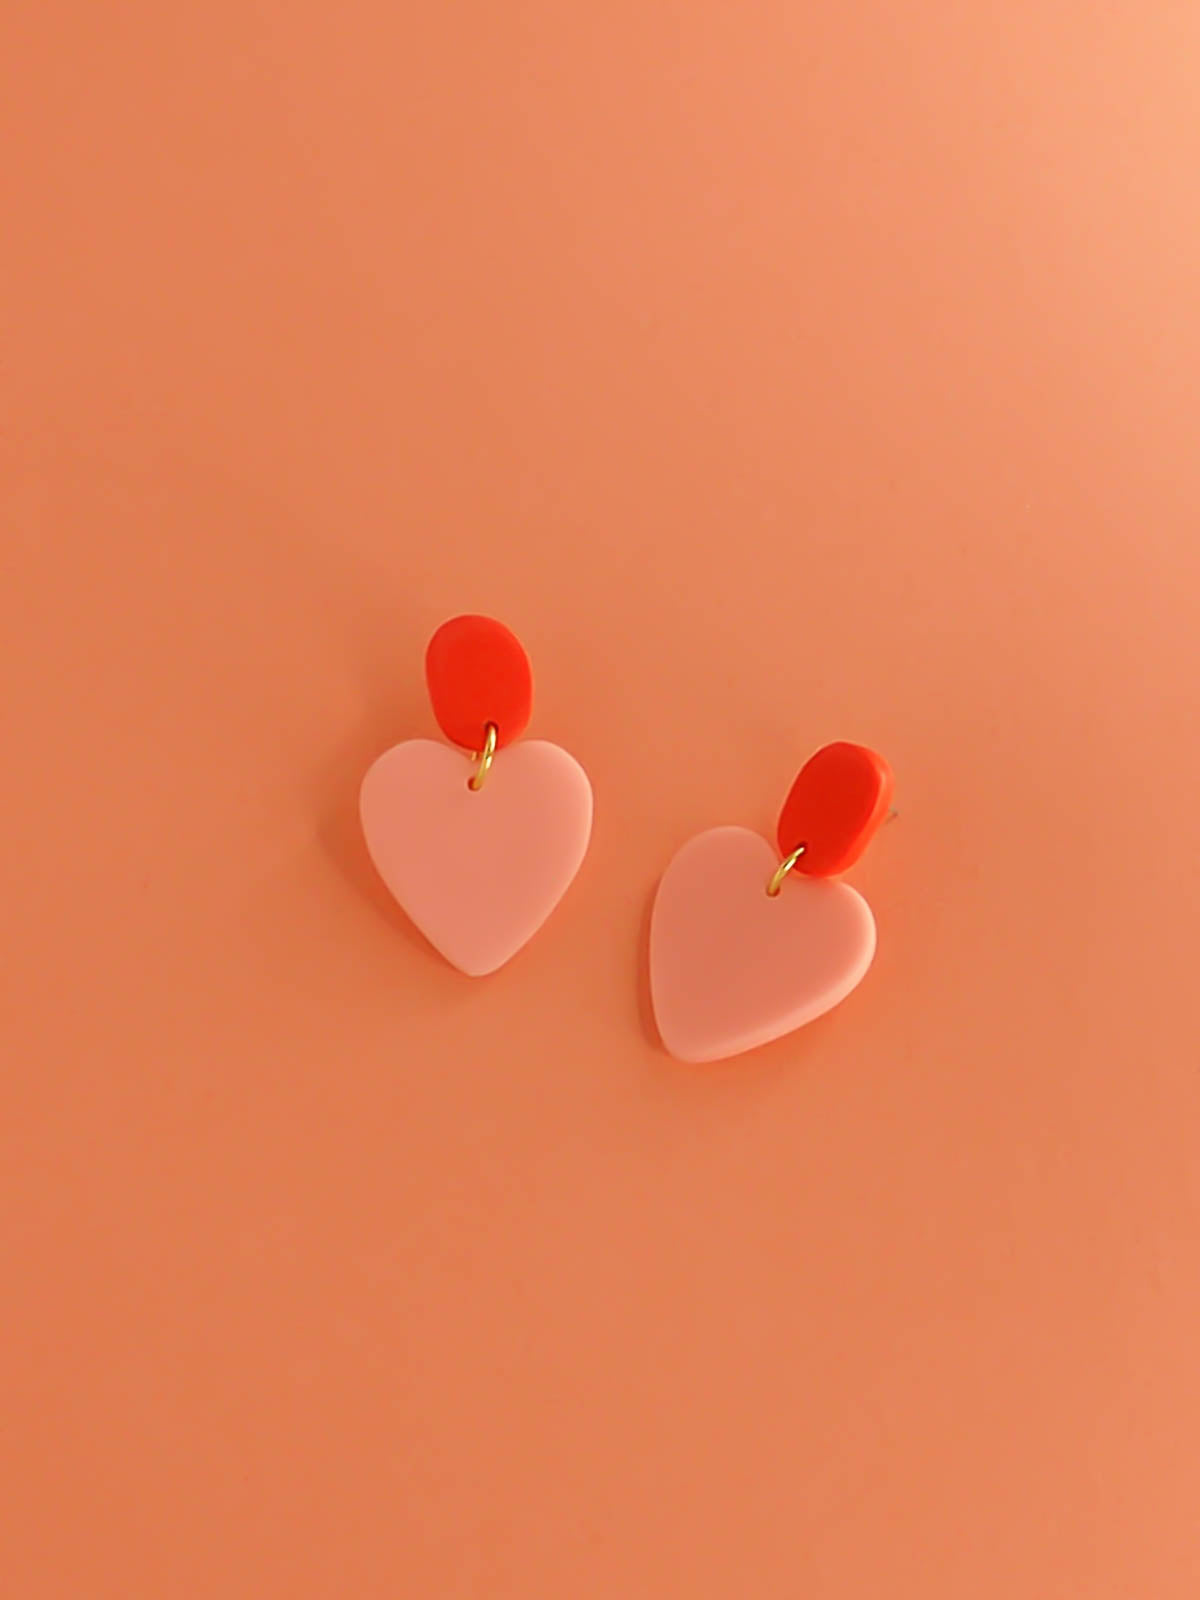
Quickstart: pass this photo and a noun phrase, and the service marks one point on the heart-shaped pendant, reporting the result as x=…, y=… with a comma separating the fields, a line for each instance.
x=732, y=966
x=477, y=870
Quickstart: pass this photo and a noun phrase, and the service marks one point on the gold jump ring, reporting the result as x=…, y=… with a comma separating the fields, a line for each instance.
x=485, y=758
x=782, y=870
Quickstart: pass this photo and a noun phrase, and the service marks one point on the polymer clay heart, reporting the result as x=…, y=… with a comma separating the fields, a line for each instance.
x=478, y=871
x=730, y=966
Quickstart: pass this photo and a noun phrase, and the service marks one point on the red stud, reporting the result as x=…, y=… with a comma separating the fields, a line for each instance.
x=834, y=808
x=478, y=672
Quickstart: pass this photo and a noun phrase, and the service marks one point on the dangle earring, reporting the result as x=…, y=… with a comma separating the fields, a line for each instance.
x=747, y=944
x=479, y=848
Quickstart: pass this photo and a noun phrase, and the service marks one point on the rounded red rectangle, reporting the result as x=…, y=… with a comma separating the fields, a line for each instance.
x=837, y=803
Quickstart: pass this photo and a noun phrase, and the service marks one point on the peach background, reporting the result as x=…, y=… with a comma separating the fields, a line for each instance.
x=781, y=373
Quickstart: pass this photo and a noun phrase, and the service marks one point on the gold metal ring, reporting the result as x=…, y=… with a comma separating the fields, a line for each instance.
x=485, y=758
x=782, y=870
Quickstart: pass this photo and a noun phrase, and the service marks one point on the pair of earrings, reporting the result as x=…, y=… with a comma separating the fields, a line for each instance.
x=746, y=943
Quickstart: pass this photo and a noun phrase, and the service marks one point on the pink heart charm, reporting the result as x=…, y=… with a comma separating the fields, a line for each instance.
x=478, y=871
x=730, y=966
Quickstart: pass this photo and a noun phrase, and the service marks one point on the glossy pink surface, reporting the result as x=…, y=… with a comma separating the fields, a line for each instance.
x=478, y=871
x=730, y=966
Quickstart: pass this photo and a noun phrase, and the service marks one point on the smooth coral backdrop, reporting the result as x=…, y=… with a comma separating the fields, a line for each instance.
x=781, y=372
